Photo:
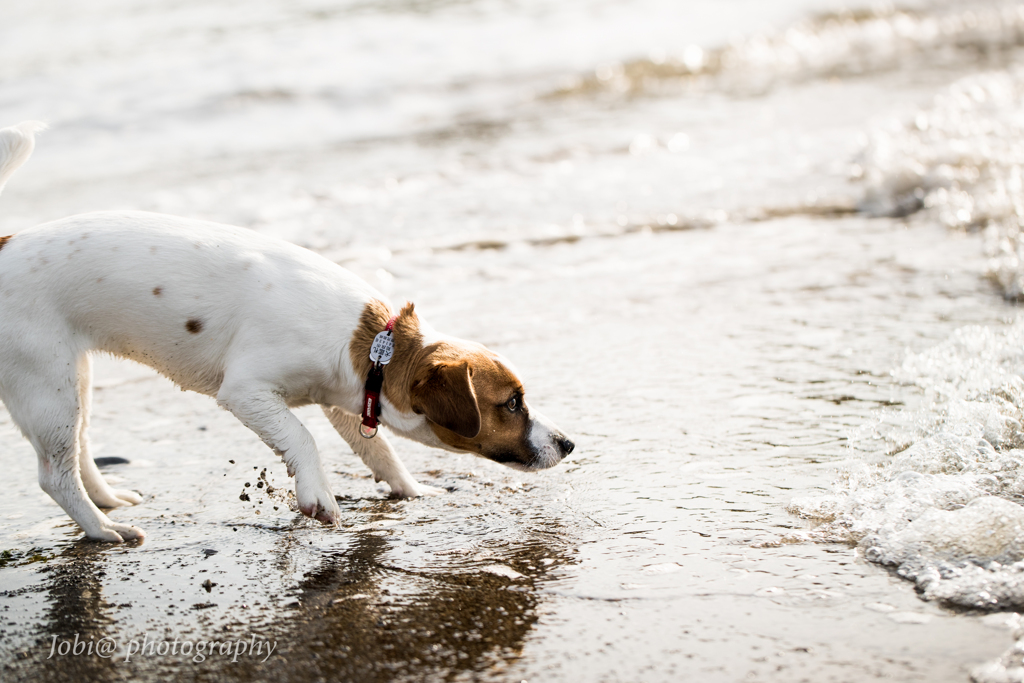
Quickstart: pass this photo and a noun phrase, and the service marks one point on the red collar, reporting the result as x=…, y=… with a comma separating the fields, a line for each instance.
x=374, y=381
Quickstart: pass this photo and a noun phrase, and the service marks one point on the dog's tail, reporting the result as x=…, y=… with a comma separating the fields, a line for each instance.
x=16, y=145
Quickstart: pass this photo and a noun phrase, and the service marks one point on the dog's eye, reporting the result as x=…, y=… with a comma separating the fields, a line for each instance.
x=513, y=404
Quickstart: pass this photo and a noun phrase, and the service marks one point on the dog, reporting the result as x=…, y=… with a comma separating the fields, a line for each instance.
x=260, y=324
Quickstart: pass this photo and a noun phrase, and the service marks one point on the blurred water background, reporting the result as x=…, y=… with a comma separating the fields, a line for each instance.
x=760, y=259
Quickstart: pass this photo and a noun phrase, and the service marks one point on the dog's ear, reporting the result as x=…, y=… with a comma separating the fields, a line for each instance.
x=408, y=323
x=444, y=393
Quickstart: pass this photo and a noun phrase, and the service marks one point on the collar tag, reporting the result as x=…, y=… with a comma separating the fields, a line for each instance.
x=383, y=348
x=381, y=351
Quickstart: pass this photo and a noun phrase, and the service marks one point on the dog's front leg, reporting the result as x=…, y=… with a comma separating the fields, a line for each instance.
x=263, y=411
x=378, y=456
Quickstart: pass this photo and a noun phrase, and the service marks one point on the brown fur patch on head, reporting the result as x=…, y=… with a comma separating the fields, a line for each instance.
x=194, y=325
x=157, y=291
x=3, y=240
x=444, y=393
x=503, y=434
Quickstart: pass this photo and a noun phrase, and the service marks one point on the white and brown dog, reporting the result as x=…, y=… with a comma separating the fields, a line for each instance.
x=260, y=324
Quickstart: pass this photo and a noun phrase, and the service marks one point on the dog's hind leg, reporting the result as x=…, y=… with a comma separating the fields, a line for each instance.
x=95, y=485
x=378, y=455
x=262, y=410
x=43, y=401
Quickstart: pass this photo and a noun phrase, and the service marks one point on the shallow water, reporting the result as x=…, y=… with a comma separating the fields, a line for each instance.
x=668, y=248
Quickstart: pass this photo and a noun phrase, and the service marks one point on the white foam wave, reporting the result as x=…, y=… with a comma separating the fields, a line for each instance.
x=839, y=44
x=1010, y=667
x=943, y=506
x=960, y=163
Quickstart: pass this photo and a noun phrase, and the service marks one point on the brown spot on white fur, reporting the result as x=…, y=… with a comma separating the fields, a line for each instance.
x=194, y=325
x=157, y=291
x=3, y=240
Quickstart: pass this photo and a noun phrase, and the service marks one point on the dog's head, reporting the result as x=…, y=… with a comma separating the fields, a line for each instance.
x=475, y=402
x=470, y=397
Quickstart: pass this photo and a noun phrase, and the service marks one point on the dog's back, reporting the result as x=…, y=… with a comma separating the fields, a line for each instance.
x=176, y=294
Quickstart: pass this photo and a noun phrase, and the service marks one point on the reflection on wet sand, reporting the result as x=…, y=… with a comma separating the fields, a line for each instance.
x=360, y=617
x=76, y=615
x=363, y=613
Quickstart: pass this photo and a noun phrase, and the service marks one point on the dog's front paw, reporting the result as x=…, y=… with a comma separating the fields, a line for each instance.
x=318, y=505
x=114, y=498
x=127, y=497
x=413, y=489
x=117, y=533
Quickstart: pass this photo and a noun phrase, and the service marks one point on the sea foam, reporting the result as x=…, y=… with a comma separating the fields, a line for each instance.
x=942, y=505
x=960, y=163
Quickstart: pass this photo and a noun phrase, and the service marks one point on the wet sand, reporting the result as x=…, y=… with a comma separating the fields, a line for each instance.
x=658, y=551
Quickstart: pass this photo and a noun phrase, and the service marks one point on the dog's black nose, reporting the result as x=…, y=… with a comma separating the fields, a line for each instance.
x=565, y=444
